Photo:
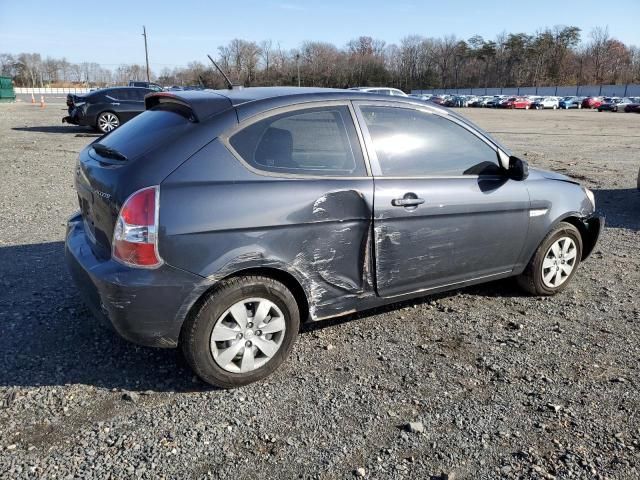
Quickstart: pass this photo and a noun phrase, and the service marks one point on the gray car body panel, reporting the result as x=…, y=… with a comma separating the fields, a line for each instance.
x=338, y=238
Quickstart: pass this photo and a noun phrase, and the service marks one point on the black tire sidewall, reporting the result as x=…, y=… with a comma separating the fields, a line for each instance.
x=196, y=343
x=561, y=230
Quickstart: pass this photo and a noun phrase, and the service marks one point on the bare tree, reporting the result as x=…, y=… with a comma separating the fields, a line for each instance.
x=550, y=56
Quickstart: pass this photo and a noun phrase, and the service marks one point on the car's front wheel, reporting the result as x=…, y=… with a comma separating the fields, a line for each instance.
x=107, y=121
x=243, y=331
x=554, y=262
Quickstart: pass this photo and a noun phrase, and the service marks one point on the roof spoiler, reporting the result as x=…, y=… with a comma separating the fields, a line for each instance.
x=201, y=105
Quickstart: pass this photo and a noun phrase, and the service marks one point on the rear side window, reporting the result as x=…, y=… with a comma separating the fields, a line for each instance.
x=410, y=142
x=119, y=94
x=311, y=141
x=139, y=93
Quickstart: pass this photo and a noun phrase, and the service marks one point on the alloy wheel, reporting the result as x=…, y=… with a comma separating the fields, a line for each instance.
x=247, y=335
x=559, y=262
x=108, y=122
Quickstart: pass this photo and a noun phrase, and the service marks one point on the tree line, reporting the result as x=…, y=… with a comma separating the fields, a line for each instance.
x=552, y=56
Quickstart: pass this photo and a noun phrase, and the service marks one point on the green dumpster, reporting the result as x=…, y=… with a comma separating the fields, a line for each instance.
x=6, y=90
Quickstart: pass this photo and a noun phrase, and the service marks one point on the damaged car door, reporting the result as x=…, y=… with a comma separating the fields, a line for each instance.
x=446, y=212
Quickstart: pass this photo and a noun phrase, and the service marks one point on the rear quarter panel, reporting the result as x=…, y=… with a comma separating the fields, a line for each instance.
x=218, y=218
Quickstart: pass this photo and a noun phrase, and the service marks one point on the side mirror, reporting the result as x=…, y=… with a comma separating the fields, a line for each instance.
x=518, y=169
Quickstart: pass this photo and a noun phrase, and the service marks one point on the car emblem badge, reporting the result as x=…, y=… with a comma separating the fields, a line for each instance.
x=104, y=195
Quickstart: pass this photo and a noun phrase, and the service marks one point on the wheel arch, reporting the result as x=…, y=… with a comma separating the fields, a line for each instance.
x=587, y=236
x=280, y=275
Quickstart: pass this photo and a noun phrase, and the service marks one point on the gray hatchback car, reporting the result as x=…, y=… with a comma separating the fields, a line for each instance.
x=218, y=221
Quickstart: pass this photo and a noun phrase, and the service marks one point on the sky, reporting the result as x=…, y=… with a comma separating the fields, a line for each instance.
x=109, y=33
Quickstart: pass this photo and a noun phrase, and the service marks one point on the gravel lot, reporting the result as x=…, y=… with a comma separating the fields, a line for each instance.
x=495, y=384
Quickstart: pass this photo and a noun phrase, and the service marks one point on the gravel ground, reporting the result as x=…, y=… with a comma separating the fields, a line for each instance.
x=477, y=383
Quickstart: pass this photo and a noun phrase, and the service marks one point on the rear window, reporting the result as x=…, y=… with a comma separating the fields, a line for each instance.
x=146, y=131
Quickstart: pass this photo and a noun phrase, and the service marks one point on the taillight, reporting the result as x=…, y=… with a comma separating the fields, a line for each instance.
x=135, y=238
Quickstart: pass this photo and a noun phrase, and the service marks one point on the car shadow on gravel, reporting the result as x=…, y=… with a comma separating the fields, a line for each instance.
x=50, y=338
x=621, y=207
x=59, y=129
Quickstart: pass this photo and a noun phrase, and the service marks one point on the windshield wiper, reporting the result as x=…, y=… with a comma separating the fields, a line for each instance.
x=108, y=152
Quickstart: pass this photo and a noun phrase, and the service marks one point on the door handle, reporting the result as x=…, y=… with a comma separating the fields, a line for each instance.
x=407, y=201
x=115, y=103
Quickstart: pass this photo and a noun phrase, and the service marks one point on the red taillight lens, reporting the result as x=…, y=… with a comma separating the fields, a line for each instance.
x=135, y=240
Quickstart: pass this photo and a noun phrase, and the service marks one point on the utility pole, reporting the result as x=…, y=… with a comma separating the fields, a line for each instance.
x=146, y=51
x=298, y=66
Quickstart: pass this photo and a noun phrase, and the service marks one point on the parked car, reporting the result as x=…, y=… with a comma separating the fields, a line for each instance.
x=439, y=99
x=615, y=104
x=479, y=101
x=608, y=104
x=106, y=109
x=517, y=102
x=455, y=101
x=570, y=102
x=150, y=85
x=592, y=102
x=496, y=101
x=633, y=107
x=483, y=101
x=546, y=102
x=421, y=96
x=381, y=91
x=469, y=99
x=217, y=221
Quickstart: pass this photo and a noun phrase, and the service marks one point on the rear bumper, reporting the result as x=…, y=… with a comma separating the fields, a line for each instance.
x=70, y=119
x=77, y=117
x=594, y=224
x=144, y=306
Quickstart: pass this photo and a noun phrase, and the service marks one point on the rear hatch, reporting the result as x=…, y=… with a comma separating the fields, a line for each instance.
x=120, y=163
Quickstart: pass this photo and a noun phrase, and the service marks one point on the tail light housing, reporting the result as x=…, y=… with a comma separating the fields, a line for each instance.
x=135, y=237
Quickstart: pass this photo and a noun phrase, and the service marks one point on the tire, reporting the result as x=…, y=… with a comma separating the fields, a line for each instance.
x=533, y=281
x=206, y=356
x=107, y=122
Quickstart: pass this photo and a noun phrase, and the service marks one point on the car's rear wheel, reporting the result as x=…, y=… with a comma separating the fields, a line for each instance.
x=243, y=331
x=554, y=262
x=107, y=121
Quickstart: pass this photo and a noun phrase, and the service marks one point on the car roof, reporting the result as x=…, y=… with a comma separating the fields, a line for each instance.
x=253, y=100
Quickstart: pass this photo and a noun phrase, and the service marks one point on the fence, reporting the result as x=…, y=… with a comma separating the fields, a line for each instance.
x=626, y=90
x=49, y=90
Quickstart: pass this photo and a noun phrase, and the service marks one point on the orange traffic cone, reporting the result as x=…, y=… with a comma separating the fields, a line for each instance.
x=41, y=101
x=33, y=99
